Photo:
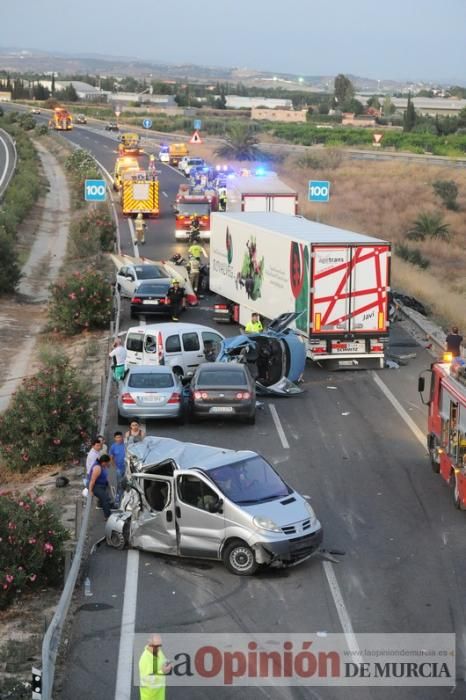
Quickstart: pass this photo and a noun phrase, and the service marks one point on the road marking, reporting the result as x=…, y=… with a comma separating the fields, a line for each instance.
x=279, y=427
x=342, y=612
x=128, y=620
x=417, y=432
x=7, y=160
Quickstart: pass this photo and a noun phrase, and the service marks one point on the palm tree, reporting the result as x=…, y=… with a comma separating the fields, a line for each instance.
x=429, y=224
x=241, y=144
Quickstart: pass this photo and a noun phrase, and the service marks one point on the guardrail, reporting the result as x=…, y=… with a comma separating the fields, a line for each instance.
x=42, y=685
x=15, y=162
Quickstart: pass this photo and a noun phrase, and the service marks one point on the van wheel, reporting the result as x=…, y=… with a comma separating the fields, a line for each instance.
x=239, y=559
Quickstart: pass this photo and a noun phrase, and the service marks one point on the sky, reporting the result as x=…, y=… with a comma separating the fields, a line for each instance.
x=396, y=39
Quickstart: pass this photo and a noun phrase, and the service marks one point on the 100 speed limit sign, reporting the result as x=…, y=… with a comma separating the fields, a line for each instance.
x=319, y=191
x=95, y=190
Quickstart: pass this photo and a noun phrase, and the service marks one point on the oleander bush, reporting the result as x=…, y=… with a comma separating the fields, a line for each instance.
x=48, y=417
x=82, y=301
x=31, y=545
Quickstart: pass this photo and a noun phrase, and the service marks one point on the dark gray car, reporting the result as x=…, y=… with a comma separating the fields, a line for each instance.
x=223, y=390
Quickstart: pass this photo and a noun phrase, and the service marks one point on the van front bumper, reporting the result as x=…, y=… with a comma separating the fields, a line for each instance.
x=289, y=551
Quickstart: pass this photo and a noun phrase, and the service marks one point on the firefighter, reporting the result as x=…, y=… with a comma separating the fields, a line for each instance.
x=195, y=230
x=222, y=199
x=196, y=250
x=140, y=229
x=194, y=271
x=254, y=325
x=176, y=298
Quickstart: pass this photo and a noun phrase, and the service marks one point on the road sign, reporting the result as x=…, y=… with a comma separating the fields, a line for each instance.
x=95, y=191
x=117, y=111
x=377, y=139
x=147, y=123
x=195, y=138
x=197, y=123
x=319, y=191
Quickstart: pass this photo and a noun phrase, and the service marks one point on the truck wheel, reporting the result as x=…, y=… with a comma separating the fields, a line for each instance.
x=117, y=540
x=456, y=494
x=239, y=559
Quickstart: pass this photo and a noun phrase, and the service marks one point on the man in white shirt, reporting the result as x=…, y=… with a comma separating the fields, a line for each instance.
x=118, y=357
x=93, y=454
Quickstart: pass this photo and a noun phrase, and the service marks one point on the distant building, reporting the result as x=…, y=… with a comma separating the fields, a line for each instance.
x=279, y=115
x=237, y=102
x=83, y=90
x=5, y=96
x=433, y=106
x=350, y=119
x=125, y=98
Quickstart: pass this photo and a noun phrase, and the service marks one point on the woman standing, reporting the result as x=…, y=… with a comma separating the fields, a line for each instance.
x=98, y=484
x=135, y=433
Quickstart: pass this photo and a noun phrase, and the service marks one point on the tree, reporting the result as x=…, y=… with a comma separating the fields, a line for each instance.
x=447, y=190
x=409, y=117
x=373, y=102
x=343, y=90
x=353, y=106
x=462, y=118
x=241, y=144
x=70, y=94
x=388, y=107
x=40, y=92
x=429, y=225
x=52, y=86
x=10, y=273
x=221, y=100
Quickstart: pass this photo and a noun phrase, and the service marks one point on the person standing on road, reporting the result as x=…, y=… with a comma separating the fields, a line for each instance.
x=454, y=341
x=196, y=250
x=140, y=229
x=194, y=273
x=135, y=433
x=153, y=669
x=176, y=297
x=254, y=325
x=98, y=484
x=118, y=357
x=117, y=454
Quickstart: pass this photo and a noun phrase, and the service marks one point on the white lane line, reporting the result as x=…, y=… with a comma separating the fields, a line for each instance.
x=417, y=432
x=164, y=194
x=279, y=427
x=342, y=612
x=128, y=620
x=7, y=160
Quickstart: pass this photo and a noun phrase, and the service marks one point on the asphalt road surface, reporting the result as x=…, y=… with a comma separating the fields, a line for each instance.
x=7, y=160
x=353, y=443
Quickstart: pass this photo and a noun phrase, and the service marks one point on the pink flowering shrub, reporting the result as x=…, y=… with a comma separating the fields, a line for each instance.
x=92, y=233
x=31, y=545
x=48, y=418
x=82, y=301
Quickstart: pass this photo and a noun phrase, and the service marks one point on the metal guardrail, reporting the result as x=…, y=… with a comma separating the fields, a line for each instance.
x=43, y=680
x=15, y=162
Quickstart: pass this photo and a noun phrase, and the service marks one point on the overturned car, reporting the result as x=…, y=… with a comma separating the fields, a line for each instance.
x=276, y=357
x=192, y=500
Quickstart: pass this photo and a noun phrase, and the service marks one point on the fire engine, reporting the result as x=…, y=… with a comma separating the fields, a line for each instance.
x=61, y=119
x=194, y=202
x=140, y=193
x=129, y=145
x=446, y=437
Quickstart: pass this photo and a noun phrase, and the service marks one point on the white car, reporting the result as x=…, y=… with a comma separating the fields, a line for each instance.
x=188, y=163
x=129, y=276
x=35, y=110
x=164, y=156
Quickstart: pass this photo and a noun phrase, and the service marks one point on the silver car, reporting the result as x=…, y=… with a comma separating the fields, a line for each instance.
x=150, y=392
x=208, y=502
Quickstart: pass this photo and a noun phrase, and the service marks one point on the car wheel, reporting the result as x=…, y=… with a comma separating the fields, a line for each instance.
x=117, y=540
x=239, y=559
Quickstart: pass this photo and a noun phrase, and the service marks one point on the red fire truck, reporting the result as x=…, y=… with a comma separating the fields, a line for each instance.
x=193, y=202
x=446, y=438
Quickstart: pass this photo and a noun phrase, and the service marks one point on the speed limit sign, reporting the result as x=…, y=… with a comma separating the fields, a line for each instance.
x=319, y=191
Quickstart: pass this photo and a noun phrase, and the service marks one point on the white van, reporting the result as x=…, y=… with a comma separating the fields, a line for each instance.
x=181, y=346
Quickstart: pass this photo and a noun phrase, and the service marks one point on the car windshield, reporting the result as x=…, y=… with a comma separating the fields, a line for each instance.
x=249, y=482
x=149, y=272
x=138, y=380
x=191, y=209
x=148, y=288
x=221, y=378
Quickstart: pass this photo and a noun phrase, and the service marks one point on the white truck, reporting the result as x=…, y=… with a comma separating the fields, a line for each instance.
x=255, y=193
x=271, y=264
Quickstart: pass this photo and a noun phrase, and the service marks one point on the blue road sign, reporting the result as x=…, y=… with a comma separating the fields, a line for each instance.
x=197, y=123
x=319, y=191
x=147, y=123
x=95, y=191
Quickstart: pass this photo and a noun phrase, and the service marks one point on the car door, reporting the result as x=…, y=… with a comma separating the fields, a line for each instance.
x=193, y=354
x=200, y=531
x=154, y=529
x=122, y=281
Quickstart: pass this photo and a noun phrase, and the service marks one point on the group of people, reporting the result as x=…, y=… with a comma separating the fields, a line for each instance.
x=100, y=460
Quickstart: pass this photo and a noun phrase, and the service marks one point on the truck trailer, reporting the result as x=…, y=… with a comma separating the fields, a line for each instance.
x=271, y=263
x=256, y=193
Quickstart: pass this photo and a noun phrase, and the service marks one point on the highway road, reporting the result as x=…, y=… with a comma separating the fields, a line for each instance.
x=7, y=160
x=353, y=443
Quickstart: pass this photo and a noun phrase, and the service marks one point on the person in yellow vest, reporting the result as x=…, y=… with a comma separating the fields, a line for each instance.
x=153, y=668
x=196, y=250
x=254, y=325
x=140, y=228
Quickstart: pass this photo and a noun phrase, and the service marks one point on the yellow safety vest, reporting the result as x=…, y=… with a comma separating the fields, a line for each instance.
x=254, y=327
x=196, y=251
x=151, y=677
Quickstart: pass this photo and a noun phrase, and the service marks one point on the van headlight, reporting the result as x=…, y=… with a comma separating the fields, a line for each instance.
x=266, y=524
x=312, y=515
